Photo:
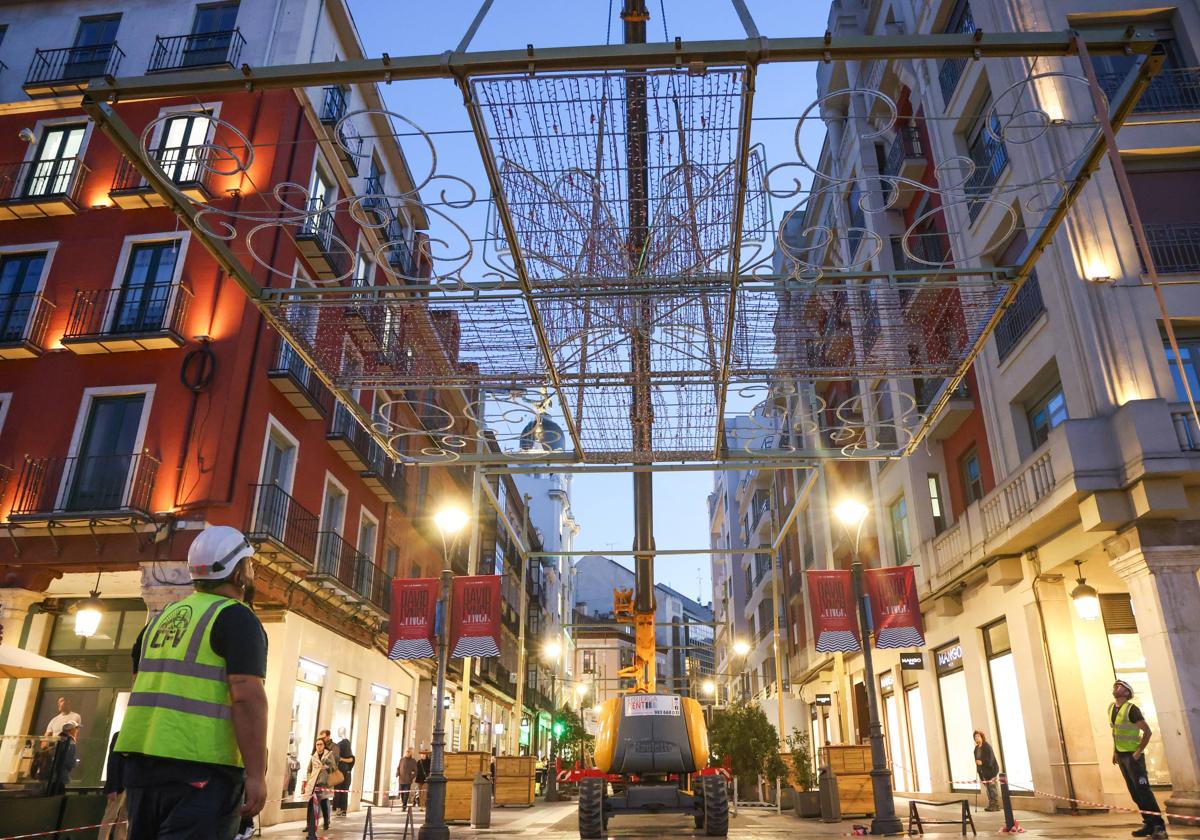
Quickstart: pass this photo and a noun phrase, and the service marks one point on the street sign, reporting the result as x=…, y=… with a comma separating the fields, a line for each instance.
x=912, y=662
x=823, y=700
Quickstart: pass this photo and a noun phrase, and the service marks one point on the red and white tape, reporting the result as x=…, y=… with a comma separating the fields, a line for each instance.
x=1078, y=801
x=61, y=830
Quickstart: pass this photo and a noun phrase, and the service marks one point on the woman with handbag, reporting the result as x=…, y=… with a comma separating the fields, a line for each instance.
x=323, y=776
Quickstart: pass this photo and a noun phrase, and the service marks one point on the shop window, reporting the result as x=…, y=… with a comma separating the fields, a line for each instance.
x=1129, y=664
x=957, y=725
x=901, y=777
x=306, y=705
x=1045, y=414
x=935, y=502
x=1013, y=746
x=916, y=737
x=901, y=546
x=972, y=476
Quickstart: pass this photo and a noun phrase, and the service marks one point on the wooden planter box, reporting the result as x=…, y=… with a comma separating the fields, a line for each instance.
x=851, y=764
x=461, y=770
x=514, y=779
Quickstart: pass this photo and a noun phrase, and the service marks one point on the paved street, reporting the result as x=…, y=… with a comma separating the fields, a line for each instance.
x=558, y=822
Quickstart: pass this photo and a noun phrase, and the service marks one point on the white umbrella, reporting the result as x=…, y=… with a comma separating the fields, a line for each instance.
x=19, y=664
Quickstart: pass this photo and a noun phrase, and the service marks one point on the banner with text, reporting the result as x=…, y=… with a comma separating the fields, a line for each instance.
x=895, y=609
x=835, y=622
x=475, y=616
x=412, y=628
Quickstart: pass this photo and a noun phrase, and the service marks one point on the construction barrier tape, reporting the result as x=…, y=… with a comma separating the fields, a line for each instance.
x=1077, y=801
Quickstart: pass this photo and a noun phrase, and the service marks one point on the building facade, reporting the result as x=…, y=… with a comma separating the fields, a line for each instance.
x=1069, y=451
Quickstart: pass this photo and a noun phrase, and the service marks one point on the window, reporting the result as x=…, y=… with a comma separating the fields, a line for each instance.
x=766, y=621
x=333, y=509
x=1045, y=414
x=279, y=459
x=145, y=292
x=182, y=145
x=1189, y=355
x=368, y=531
x=98, y=474
x=972, y=476
x=935, y=502
x=900, y=541
x=1013, y=751
x=20, y=276
x=987, y=153
x=55, y=163
x=94, y=41
x=392, y=561
x=589, y=662
x=957, y=724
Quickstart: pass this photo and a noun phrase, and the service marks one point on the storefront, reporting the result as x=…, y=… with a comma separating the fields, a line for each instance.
x=1129, y=664
x=306, y=707
x=916, y=733
x=956, y=716
x=372, y=757
x=897, y=755
x=1012, y=748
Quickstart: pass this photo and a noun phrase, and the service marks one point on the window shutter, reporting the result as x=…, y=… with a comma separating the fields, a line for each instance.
x=1117, y=612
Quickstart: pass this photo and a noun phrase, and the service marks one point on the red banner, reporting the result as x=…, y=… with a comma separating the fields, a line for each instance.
x=475, y=616
x=835, y=620
x=895, y=609
x=412, y=627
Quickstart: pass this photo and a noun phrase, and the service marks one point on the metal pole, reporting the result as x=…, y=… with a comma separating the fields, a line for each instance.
x=551, y=763
x=523, y=612
x=776, y=569
x=885, y=820
x=464, y=701
x=434, y=827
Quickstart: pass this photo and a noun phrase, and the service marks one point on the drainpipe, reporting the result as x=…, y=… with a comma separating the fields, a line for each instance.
x=1032, y=554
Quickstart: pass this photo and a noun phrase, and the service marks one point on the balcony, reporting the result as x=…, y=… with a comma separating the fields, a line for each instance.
x=1020, y=316
x=953, y=413
x=347, y=142
x=348, y=571
x=68, y=70
x=1169, y=91
x=351, y=440
x=1175, y=248
x=23, y=320
x=187, y=168
x=278, y=524
x=83, y=489
x=38, y=188
x=127, y=318
x=296, y=381
x=387, y=479
x=905, y=160
x=315, y=240
x=400, y=255
x=202, y=49
x=990, y=158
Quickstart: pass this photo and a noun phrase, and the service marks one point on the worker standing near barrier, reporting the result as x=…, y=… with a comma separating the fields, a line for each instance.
x=1131, y=734
x=195, y=733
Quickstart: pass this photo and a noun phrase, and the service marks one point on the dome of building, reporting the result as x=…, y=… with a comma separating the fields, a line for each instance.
x=551, y=437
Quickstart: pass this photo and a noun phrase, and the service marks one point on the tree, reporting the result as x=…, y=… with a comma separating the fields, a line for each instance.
x=743, y=734
x=802, y=763
x=571, y=735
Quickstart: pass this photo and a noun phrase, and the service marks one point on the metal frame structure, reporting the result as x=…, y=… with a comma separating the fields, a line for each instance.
x=713, y=302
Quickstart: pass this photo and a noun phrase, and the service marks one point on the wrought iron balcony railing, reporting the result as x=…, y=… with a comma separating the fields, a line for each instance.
x=186, y=166
x=400, y=255
x=1175, y=248
x=276, y=516
x=72, y=64
x=128, y=311
x=906, y=145
x=84, y=485
x=951, y=70
x=202, y=49
x=991, y=159
x=1177, y=89
x=339, y=561
x=23, y=320
x=344, y=426
x=317, y=229
x=1019, y=317
x=333, y=105
x=40, y=181
x=287, y=362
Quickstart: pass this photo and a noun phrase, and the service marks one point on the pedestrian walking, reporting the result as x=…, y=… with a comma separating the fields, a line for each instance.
x=65, y=756
x=1131, y=734
x=195, y=733
x=113, y=825
x=406, y=772
x=988, y=770
x=422, y=778
x=55, y=726
x=345, y=763
x=322, y=764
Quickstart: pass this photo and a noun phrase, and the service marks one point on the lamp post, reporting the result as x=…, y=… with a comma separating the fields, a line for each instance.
x=852, y=513
x=551, y=651
x=449, y=522
x=740, y=649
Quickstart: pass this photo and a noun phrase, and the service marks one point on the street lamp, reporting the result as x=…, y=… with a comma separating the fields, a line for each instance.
x=852, y=514
x=709, y=688
x=1087, y=600
x=741, y=647
x=450, y=522
x=551, y=651
x=87, y=613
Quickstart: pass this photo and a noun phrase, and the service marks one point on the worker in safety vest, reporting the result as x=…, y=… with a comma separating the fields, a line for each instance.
x=1131, y=734
x=195, y=732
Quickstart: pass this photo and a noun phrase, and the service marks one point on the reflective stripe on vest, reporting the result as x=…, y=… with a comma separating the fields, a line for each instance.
x=1127, y=737
x=180, y=706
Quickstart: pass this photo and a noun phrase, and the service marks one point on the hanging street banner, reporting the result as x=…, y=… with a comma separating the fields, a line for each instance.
x=412, y=628
x=895, y=610
x=831, y=599
x=475, y=616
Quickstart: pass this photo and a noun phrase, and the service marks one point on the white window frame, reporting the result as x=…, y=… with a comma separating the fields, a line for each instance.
x=5, y=402
x=32, y=248
x=274, y=425
x=210, y=109
x=366, y=515
x=40, y=127
x=85, y=410
x=321, y=523
x=183, y=236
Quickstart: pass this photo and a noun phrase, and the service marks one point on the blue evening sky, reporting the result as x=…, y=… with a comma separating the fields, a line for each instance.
x=602, y=503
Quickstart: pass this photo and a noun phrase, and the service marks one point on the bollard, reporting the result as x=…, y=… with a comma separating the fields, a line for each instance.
x=1010, y=822
x=831, y=806
x=481, y=802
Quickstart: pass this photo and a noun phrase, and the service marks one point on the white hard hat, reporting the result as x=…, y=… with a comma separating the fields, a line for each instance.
x=216, y=552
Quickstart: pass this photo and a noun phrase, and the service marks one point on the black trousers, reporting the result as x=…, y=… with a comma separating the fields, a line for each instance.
x=311, y=819
x=183, y=811
x=340, y=798
x=405, y=787
x=1134, y=771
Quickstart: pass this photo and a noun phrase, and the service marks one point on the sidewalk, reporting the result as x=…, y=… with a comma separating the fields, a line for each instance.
x=558, y=821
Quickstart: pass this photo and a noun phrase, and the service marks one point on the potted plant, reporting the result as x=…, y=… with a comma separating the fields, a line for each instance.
x=807, y=799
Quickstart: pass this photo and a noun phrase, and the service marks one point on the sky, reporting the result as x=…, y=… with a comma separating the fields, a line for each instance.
x=603, y=504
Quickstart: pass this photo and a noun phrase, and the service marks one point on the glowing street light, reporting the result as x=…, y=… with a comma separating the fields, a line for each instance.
x=741, y=647
x=1087, y=600
x=580, y=690
x=709, y=687
x=850, y=512
x=451, y=520
x=552, y=650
